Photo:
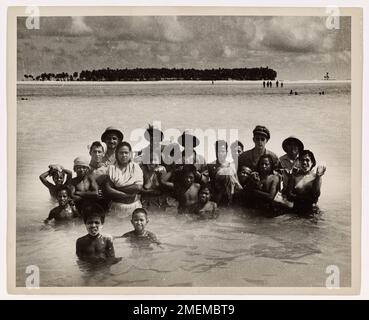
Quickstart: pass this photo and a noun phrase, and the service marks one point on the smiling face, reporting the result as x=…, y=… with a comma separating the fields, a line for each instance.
x=97, y=154
x=63, y=198
x=111, y=141
x=204, y=195
x=306, y=163
x=81, y=171
x=123, y=155
x=94, y=225
x=265, y=166
x=139, y=221
x=260, y=141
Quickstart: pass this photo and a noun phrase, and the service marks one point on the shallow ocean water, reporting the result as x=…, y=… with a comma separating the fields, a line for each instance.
x=241, y=247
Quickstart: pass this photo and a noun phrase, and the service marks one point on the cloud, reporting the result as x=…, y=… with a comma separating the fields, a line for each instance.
x=182, y=41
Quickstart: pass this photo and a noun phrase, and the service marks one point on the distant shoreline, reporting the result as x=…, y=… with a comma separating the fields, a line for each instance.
x=64, y=83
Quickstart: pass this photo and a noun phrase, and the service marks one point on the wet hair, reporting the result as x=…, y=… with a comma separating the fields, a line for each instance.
x=311, y=156
x=121, y=145
x=93, y=210
x=96, y=144
x=65, y=188
x=221, y=143
x=139, y=210
x=237, y=143
x=271, y=161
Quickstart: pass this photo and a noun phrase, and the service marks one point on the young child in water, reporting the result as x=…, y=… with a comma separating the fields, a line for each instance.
x=95, y=247
x=139, y=221
x=66, y=210
x=188, y=190
x=205, y=208
x=58, y=174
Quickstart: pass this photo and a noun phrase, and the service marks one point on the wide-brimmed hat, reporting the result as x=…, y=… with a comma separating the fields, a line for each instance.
x=151, y=132
x=81, y=161
x=114, y=130
x=262, y=131
x=186, y=136
x=291, y=139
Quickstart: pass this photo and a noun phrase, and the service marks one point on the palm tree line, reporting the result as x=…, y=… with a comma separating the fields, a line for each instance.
x=156, y=74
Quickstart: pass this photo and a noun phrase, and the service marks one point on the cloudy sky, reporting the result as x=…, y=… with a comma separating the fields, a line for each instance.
x=296, y=47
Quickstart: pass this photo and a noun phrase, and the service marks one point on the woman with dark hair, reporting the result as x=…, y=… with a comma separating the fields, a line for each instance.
x=304, y=185
x=124, y=182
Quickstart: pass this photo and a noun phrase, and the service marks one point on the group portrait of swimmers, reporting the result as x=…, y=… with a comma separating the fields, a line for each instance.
x=116, y=182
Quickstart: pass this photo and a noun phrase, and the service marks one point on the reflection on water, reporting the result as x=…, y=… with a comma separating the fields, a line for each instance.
x=240, y=248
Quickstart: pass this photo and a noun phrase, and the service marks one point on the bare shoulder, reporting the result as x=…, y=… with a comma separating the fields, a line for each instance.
x=81, y=240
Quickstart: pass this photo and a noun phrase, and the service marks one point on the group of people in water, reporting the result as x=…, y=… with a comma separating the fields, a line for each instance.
x=114, y=181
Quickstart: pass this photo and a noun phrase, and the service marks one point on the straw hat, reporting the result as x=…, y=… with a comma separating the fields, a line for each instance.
x=292, y=139
x=114, y=130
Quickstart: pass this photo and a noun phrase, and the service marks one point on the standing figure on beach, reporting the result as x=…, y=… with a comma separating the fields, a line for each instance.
x=60, y=176
x=190, y=156
x=124, y=182
x=304, y=186
x=112, y=137
x=250, y=158
x=223, y=176
x=267, y=84
x=281, y=84
x=277, y=83
x=264, y=84
x=270, y=84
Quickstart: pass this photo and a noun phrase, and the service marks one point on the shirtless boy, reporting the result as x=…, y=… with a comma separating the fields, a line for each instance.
x=95, y=247
x=188, y=190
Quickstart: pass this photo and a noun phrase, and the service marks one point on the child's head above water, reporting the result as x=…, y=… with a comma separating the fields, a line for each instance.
x=94, y=218
x=139, y=219
x=63, y=194
x=204, y=194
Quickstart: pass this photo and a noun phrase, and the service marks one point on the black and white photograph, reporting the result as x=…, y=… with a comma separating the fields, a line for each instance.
x=185, y=150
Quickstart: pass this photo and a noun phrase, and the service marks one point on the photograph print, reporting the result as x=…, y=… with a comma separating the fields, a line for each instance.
x=178, y=152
